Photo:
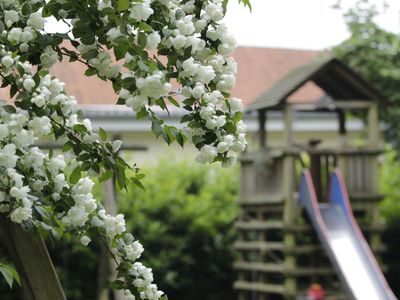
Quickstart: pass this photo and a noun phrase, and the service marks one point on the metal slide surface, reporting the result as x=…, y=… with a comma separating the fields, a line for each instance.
x=343, y=240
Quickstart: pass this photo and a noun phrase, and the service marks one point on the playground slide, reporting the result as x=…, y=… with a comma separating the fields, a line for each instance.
x=343, y=240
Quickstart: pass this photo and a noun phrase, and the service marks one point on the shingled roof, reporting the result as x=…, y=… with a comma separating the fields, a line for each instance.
x=336, y=79
x=258, y=70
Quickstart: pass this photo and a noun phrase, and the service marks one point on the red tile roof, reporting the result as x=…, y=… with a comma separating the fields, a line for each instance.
x=258, y=70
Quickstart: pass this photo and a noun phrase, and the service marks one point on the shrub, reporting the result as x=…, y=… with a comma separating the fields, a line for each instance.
x=390, y=209
x=185, y=219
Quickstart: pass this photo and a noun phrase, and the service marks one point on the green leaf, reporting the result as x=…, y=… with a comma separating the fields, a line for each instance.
x=224, y=5
x=238, y=116
x=117, y=285
x=121, y=178
x=46, y=215
x=246, y=3
x=173, y=101
x=142, y=114
x=67, y=146
x=162, y=104
x=186, y=118
x=138, y=183
x=140, y=176
x=90, y=54
x=86, y=165
x=142, y=40
x=75, y=175
x=80, y=128
x=120, y=51
x=157, y=128
x=180, y=138
x=197, y=140
x=9, y=274
x=13, y=91
x=107, y=175
x=90, y=72
x=103, y=134
x=9, y=108
x=145, y=27
x=122, y=5
x=120, y=101
x=88, y=39
x=230, y=127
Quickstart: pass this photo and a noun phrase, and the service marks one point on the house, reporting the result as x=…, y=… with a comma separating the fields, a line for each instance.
x=258, y=69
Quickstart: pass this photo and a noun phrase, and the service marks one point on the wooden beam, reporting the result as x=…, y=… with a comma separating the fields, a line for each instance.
x=373, y=126
x=288, y=126
x=342, y=122
x=336, y=104
x=35, y=268
x=260, y=287
x=360, y=85
x=262, y=119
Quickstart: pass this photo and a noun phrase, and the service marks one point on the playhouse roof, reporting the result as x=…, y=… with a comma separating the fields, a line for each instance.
x=334, y=77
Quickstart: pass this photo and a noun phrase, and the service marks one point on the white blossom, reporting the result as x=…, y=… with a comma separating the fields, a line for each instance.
x=207, y=154
x=7, y=61
x=85, y=240
x=14, y=34
x=141, y=11
x=153, y=85
x=48, y=58
x=21, y=214
x=36, y=21
x=29, y=84
x=10, y=17
x=153, y=39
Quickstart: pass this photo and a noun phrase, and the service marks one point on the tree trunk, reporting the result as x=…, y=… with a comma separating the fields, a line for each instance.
x=35, y=268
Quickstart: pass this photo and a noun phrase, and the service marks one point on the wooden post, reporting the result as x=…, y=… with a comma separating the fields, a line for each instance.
x=35, y=268
x=373, y=126
x=373, y=139
x=262, y=118
x=288, y=124
x=289, y=240
x=342, y=128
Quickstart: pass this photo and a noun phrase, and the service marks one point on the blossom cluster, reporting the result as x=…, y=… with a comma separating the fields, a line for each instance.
x=34, y=182
x=198, y=73
x=154, y=52
x=198, y=48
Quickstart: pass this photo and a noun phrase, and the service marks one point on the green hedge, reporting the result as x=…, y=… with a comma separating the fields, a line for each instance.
x=185, y=221
x=390, y=210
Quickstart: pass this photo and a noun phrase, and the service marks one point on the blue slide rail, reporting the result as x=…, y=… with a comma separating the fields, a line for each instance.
x=343, y=241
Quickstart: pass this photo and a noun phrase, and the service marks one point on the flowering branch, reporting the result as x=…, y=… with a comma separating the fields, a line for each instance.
x=171, y=51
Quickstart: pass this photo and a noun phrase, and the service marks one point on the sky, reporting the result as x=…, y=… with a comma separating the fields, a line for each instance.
x=294, y=24
x=298, y=24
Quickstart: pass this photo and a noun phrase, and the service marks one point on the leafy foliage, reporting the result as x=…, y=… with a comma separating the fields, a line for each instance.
x=375, y=54
x=390, y=211
x=185, y=219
